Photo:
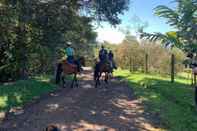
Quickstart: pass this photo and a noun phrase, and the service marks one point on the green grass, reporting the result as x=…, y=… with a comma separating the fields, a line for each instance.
x=173, y=103
x=20, y=92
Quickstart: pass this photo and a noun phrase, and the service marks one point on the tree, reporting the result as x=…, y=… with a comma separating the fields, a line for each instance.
x=184, y=20
x=34, y=30
x=105, y=10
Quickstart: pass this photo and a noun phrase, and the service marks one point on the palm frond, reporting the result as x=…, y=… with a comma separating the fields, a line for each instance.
x=165, y=12
x=152, y=37
x=168, y=39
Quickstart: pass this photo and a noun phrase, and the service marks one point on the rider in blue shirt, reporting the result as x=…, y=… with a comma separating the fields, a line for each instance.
x=70, y=53
x=70, y=56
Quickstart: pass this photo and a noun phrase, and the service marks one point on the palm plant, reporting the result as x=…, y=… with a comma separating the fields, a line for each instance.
x=184, y=20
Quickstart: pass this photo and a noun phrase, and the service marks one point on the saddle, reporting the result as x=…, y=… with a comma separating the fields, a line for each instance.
x=68, y=67
x=69, y=64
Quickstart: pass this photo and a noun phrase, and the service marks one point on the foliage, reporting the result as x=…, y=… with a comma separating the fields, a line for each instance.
x=184, y=20
x=131, y=55
x=170, y=39
x=171, y=103
x=105, y=10
x=33, y=31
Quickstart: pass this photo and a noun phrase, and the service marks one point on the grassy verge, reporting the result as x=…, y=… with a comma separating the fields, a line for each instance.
x=172, y=102
x=21, y=92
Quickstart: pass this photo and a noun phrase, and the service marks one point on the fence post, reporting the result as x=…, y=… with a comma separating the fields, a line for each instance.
x=172, y=68
x=130, y=63
x=146, y=63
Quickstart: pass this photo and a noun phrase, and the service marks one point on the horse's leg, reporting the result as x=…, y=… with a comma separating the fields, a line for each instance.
x=77, y=84
x=106, y=77
x=73, y=81
x=63, y=81
x=99, y=76
x=58, y=73
x=97, y=80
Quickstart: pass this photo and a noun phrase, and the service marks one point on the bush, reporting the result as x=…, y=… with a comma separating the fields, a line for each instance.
x=131, y=55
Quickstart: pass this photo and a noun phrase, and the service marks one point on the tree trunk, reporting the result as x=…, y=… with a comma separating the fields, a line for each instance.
x=146, y=63
x=172, y=68
x=22, y=52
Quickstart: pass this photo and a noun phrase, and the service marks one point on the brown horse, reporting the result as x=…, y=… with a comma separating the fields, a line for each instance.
x=101, y=68
x=64, y=68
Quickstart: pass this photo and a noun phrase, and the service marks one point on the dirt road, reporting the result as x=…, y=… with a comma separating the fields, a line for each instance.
x=85, y=109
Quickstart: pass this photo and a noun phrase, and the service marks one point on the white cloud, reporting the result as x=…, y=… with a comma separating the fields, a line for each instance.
x=111, y=35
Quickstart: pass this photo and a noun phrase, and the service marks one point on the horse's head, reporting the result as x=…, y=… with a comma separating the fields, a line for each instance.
x=82, y=61
x=52, y=128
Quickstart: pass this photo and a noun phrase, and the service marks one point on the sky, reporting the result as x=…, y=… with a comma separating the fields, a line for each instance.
x=143, y=9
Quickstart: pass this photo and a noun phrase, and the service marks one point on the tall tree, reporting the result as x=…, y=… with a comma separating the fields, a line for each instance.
x=35, y=29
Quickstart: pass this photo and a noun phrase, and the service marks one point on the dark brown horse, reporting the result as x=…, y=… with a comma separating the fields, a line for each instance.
x=101, y=68
x=52, y=128
x=64, y=69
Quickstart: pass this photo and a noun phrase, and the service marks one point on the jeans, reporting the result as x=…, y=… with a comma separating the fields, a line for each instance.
x=70, y=59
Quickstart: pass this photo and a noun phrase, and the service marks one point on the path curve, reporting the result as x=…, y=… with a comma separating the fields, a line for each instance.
x=85, y=109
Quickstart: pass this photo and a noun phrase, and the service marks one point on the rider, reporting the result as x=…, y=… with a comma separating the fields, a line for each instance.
x=70, y=53
x=111, y=59
x=103, y=54
x=70, y=56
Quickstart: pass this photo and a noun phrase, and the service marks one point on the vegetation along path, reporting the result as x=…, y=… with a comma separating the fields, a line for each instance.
x=86, y=108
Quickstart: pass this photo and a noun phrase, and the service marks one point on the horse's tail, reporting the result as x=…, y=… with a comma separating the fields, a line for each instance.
x=58, y=73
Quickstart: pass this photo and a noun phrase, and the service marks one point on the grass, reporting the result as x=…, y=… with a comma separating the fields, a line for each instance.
x=173, y=103
x=18, y=93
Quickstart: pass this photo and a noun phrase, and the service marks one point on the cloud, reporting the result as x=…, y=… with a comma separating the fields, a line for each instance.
x=111, y=35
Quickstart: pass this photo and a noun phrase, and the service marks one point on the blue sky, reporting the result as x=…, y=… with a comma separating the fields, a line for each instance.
x=142, y=9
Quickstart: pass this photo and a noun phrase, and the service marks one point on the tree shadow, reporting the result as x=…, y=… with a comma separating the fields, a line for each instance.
x=114, y=108
x=172, y=103
x=88, y=108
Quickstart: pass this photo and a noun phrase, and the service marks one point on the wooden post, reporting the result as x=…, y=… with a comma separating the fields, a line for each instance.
x=172, y=68
x=130, y=64
x=146, y=63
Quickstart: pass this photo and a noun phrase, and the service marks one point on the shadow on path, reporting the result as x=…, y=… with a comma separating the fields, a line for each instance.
x=86, y=108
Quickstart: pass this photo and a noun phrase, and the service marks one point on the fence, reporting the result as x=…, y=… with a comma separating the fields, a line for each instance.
x=172, y=64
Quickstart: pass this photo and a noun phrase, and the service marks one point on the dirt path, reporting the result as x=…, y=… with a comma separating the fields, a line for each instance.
x=85, y=109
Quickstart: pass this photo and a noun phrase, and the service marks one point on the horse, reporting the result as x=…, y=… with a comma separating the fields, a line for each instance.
x=101, y=68
x=52, y=128
x=64, y=68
